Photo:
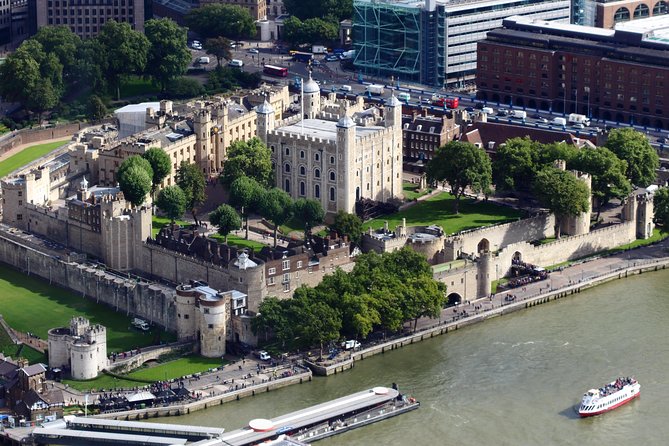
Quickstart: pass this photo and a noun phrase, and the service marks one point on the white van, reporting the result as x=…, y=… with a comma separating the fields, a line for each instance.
x=236, y=63
x=203, y=60
x=487, y=110
x=345, y=88
x=559, y=121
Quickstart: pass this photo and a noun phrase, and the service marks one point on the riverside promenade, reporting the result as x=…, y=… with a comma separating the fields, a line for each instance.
x=561, y=283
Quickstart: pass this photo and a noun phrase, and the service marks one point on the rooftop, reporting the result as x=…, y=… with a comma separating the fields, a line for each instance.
x=320, y=128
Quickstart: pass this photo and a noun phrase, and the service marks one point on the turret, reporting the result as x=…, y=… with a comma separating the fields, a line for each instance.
x=266, y=120
x=311, y=95
x=346, y=150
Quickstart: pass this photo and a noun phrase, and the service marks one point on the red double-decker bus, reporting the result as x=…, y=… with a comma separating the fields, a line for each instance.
x=275, y=71
x=448, y=102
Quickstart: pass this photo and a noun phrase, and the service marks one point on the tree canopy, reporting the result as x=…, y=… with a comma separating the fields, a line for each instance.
x=371, y=297
x=462, y=165
x=245, y=194
x=310, y=212
x=336, y=10
x=214, y=20
x=608, y=174
x=123, y=51
x=226, y=218
x=191, y=180
x=219, y=47
x=161, y=164
x=134, y=178
x=349, y=225
x=661, y=205
x=251, y=159
x=562, y=193
x=277, y=207
x=634, y=148
x=168, y=56
x=172, y=201
x=312, y=30
x=515, y=164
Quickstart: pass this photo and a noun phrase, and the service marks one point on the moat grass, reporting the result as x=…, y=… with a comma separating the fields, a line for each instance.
x=233, y=240
x=173, y=369
x=438, y=210
x=30, y=304
x=27, y=155
x=132, y=86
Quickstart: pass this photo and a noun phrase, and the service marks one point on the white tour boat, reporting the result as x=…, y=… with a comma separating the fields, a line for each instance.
x=608, y=397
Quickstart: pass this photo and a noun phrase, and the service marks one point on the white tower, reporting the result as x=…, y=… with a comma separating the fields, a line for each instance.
x=345, y=149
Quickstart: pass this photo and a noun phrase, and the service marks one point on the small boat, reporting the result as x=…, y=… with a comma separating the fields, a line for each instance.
x=606, y=398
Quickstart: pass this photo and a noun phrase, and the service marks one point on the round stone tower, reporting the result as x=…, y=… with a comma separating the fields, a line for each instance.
x=212, y=315
x=59, y=355
x=185, y=300
x=266, y=118
x=311, y=96
x=483, y=284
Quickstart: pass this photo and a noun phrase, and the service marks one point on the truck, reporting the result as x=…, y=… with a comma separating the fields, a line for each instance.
x=519, y=114
x=575, y=118
x=375, y=89
x=559, y=121
x=319, y=49
x=140, y=324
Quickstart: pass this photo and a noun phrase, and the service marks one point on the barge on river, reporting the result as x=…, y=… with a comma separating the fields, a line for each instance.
x=323, y=420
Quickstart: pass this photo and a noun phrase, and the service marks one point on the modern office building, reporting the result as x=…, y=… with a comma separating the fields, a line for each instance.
x=617, y=75
x=606, y=13
x=85, y=18
x=433, y=42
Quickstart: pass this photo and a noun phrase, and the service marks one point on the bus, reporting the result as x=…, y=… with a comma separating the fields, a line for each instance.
x=275, y=71
x=446, y=102
x=302, y=57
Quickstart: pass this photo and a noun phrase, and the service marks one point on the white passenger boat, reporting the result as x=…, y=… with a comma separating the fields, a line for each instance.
x=609, y=397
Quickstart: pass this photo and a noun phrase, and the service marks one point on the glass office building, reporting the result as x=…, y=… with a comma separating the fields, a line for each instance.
x=433, y=42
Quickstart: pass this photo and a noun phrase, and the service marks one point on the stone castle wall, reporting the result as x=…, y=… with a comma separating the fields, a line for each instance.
x=148, y=301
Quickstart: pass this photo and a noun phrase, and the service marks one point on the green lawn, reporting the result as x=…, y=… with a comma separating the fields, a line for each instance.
x=27, y=155
x=172, y=369
x=31, y=304
x=411, y=191
x=136, y=86
x=292, y=225
x=160, y=222
x=438, y=210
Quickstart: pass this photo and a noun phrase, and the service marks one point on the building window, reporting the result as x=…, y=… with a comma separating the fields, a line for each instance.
x=286, y=167
x=332, y=175
x=301, y=154
x=287, y=151
x=210, y=326
x=317, y=191
x=206, y=311
x=332, y=194
x=299, y=264
x=19, y=216
x=302, y=188
x=317, y=157
x=270, y=281
x=303, y=170
x=332, y=160
x=285, y=264
x=317, y=173
x=286, y=185
x=271, y=271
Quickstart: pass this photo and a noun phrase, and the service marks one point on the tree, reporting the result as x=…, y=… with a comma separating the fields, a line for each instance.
x=277, y=207
x=317, y=322
x=226, y=218
x=349, y=225
x=220, y=48
x=462, y=165
x=309, y=212
x=634, y=148
x=245, y=195
x=311, y=30
x=272, y=317
x=172, y=201
x=134, y=160
x=123, y=51
x=515, y=165
x=214, y=20
x=64, y=44
x=135, y=183
x=336, y=9
x=424, y=297
x=249, y=158
x=661, y=205
x=562, y=193
x=168, y=56
x=191, y=180
x=549, y=153
x=97, y=109
x=161, y=164
x=608, y=174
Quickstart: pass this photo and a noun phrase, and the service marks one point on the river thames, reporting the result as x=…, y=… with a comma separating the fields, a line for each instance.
x=512, y=380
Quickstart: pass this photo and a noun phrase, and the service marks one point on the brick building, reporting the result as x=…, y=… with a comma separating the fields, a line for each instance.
x=616, y=75
x=257, y=8
x=423, y=134
x=606, y=13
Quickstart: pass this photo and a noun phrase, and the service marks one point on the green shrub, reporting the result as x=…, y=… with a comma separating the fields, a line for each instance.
x=184, y=87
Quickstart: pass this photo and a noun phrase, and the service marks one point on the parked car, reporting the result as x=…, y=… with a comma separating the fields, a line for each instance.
x=331, y=58
x=264, y=356
x=315, y=63
x=502, y=112
x=253, y=51
x=578, y=125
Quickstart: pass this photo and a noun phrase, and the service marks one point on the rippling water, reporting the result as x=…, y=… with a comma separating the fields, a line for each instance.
x=513, y=380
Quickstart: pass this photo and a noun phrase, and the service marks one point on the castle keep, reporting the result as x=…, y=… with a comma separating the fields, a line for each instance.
x=81, y=348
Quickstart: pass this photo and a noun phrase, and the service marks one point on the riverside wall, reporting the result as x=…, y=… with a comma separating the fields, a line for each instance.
x=149, y=301
x=205, y=403
x=440, y=328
